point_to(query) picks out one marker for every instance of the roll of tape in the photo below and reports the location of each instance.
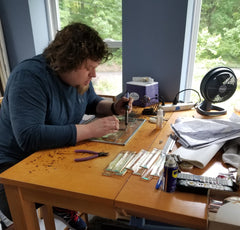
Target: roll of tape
(185, 166)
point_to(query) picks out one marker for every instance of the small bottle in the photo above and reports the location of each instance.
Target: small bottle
(159, 122)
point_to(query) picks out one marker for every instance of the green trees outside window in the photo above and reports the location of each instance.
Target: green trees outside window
(219, 32)
(218, 41)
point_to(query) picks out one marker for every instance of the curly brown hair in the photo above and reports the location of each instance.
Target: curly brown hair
(73, 45)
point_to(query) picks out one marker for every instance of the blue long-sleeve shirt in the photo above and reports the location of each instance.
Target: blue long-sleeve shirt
(39, 111)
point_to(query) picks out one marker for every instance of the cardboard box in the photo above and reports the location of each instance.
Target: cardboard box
(143, 93)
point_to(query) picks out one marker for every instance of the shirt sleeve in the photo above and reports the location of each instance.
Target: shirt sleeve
(27, 99)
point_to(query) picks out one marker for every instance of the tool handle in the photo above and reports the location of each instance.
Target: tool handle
(126, 109)
(85, 158)
(127, 96)
(84, 151)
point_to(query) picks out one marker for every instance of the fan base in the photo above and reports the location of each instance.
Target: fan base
(211, 110)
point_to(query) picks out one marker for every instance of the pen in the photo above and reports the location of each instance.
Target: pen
(159, 182)
(126, 109)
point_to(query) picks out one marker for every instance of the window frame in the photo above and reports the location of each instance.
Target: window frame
(190, 45)
(53, 19)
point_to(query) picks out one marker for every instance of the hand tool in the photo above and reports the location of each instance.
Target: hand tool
(95, 154)
(126, 109)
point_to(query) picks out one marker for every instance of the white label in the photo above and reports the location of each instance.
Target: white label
(134, 95)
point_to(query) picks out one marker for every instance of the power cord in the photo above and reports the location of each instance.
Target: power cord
(175, 100)
(154, 108)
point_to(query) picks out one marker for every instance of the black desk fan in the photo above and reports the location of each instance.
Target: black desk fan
(218, 85)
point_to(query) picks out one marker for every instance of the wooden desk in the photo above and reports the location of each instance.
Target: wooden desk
(52, 177)
(140, 198)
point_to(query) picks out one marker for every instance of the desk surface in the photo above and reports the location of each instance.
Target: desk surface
(52, 177)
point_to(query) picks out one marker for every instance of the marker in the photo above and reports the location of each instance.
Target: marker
(126, 109)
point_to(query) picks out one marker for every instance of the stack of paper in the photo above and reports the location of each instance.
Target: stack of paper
(198, 133)
(201, 139)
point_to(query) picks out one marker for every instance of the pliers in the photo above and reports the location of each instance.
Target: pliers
(95, 154)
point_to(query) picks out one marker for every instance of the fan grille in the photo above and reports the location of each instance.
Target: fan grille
(219, 88)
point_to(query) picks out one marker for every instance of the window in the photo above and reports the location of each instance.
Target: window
(105, 16)
(212, 39)
(218, 42)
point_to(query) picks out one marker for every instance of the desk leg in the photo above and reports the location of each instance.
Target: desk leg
(48, 217)
(23, 212)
